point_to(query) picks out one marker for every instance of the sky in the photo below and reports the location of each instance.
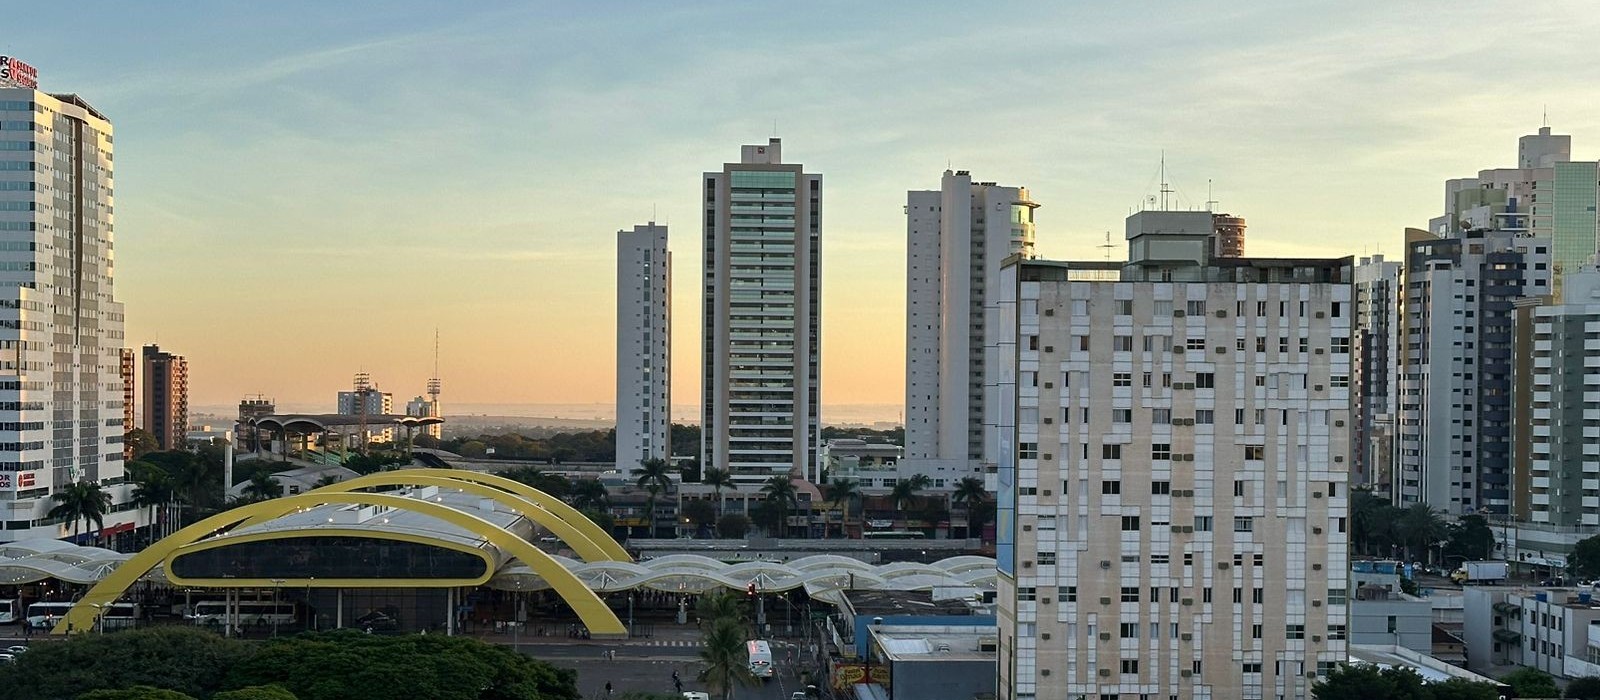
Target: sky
(305, 190)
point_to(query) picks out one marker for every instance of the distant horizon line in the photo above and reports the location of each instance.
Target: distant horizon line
(833, 414)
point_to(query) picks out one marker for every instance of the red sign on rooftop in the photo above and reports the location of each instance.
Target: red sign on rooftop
(14, 72)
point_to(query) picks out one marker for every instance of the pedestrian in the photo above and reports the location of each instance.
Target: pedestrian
(608, 689)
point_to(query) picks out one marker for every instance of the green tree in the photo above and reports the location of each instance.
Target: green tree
(553, 484)
(140, 442)
(1370, 519)
(722, 652)
(1587, 688)
(153, 489)
(349, 665)
(733, 526)
(1584, 561)
(778, 495)
(82, 503)
(1528, 682)
(326, 480)
(256, 692)
(472, 448)
(905, 491)
(1463, 689)
(138, 692)
(262, 487)
(1469, 539)
(700, 512)
(1420, 526)
(969, 493)
(1367, 682)
(841, 492)
(718, 479)
(601, 518)
(588, 493)
(182, 659)
(719, 605)
(655, 477)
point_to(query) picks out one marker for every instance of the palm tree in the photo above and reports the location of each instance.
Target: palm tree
(1420, 525)
(152, 489)
(722, 652)
(327, 480)
(588, 494)
(780, 496)
(969, 493)
(654, 477)
(905, 492)
(718, 479)
(718, 606)
(262, 486)
(82, 503)
(840, 493)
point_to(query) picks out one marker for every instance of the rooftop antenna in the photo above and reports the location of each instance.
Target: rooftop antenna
(1107, 246)
(1547, 115)
(433, 383)
(1211, 201)
(363, 387)
(1165, 188)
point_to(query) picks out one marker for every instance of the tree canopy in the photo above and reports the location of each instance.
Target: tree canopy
(1529, 682)
(1584, 562)
(1367, 682)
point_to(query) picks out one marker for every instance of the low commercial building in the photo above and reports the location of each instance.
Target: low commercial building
(872, 465)
(936, 663)
(1379, 616)
(1543, 628)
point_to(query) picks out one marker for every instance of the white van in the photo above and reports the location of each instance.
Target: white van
(760, 658)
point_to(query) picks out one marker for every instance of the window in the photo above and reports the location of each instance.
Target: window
(1261, 308)
(1121, 415)
(1283, 343)
(1393, 624)
(1205, 380)
(1339, 381)
(1243, 525)
(1110, 488)
(1048, 559)
(1204, 417)
(1195, 307)
(1161, 451)
(1160, 488)
(1261, 344)
(1238, 416)
(1130, 523)
(1162, 308)
(1030, 378)
(1341, 345)
(1305, 345)
(1202, 523)
(1067, 594)
(1205, 597)
(1160, 416)
(1122, 343)
(1299, 632)
(1130, 665)
(1195, 344)
(1130, 594)
(1251, 667)
(1255, 631)
(1027, 450)
(1146, 382)
(1238, 488)
(1128, 630)
(1122, 379)
(1256, 595)
(1261, 416)
(1033, 342)
(1025, 594)
(1124, 307)
(1111, 452)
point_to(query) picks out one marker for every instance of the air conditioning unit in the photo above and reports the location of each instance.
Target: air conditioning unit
(1316, 530)
(1047, 492)
(1049, 312)
(1047, 419)
(1316, 603)
(1052, 348)
(1338, 424)
(1046, 601)
(1320, 314)
(1188, 601)
(1179, 313)
(1220, 565)
(1048, 456)
(1105, 636)
(1106, 672)
(1186, 636)
(1027, 565)
(1185, 673)
(1188, 528)
(1105, 601)
(1316, 567)
(1316, 494)
(1105, 564)
(1049, 385)
(1316, 387)
(1027, 528)
(1338, 458)
(1045, 636)
(1044, 672)
(1222, 314)
(1316, 638)
(1222, 350)
(1318, 351)
(1177, 528)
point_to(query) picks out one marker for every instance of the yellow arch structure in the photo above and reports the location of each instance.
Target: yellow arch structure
(577, 519)
(579, 538)
(600, 620)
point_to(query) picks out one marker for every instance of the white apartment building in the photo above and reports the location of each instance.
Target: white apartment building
(762, 317)
(1454, 448)
(1172, 505)
(377, 405)
(1375, 371)
(956, 240)
(644, 346)
(61, 392)
(1557, 412)
(426, 407)
(1549, 629)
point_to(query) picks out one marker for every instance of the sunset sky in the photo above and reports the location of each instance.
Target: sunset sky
(305, 190)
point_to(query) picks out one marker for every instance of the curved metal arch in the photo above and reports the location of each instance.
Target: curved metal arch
(570, 533)
(491, 563)
(600, 620)
(550, 503)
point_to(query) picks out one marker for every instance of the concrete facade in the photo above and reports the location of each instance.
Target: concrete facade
(1543, 628)
(1375, 367)
(762, 317)
(644, 346)
(956, 240)
(1558, 368)
(1172, 493)
(166, 397)
(61, 396)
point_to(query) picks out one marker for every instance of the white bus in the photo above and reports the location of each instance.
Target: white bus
(10, 611)
(760, 658)
(246, 612)
(116, 616)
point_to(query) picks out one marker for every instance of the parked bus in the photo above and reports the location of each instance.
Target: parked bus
(116, 615)
(892, 535)
(10, 611)
(246, 612)
(760, 658)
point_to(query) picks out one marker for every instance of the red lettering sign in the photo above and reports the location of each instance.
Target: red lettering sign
(18, 73)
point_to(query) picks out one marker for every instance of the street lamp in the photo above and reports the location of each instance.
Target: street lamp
(99, 617)
(276, 584)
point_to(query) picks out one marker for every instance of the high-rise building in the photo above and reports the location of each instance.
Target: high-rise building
(128, 368)
(424, 407)
(956, 240)
(644, 346)
(1556, 380)
(166, 397)
(250, 409)
(1230, 235)
(61, 395)
(1172, 504)
(1375, 371)
(762, 317)
(365, 399)
(1454, 449)
(1548, 195)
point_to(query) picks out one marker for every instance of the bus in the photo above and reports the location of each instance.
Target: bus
(892, 535)
(760, 658)
(116, 616)
(10, 611)
(246, 612)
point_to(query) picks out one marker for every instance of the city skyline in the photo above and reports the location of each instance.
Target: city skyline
(347, 226)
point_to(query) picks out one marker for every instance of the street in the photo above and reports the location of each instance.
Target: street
(647, 666)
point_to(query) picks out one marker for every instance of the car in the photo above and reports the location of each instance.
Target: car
(7, 659)
(799, 695)
(695, 695)
(18, 649)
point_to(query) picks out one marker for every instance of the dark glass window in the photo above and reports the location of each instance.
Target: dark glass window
(328, 557)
